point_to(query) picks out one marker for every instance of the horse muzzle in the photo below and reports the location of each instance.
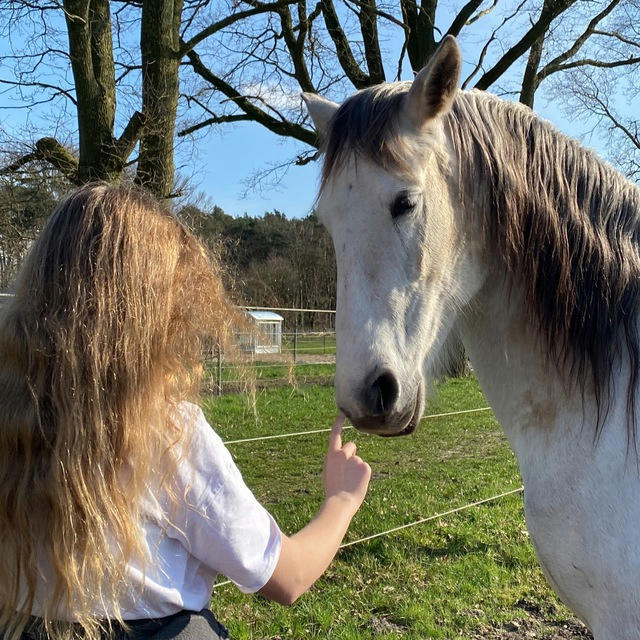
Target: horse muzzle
(382, 415)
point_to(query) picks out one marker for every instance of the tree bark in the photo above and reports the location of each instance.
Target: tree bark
(91, 52)
(368, 18)
(530, 78)
(420, 20)
(551, 9)
(280, 127)
(347, 61)
(160, 48)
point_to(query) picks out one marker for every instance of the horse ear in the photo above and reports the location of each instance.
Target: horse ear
(320, 109)
(435, 87)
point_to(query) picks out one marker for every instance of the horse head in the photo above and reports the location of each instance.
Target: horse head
(388, 199)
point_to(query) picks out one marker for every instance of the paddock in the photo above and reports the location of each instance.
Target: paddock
(456, 574)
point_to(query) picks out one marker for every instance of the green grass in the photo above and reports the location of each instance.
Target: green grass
(279, 367)
(310, 344)
(464, 576)
(264, 370)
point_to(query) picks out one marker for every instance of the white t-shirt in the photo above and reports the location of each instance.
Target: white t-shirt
(224, 530)
(220, 528)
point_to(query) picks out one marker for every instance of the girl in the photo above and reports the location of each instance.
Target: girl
(118, 503)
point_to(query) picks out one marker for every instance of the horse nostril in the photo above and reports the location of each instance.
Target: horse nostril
(383, 393)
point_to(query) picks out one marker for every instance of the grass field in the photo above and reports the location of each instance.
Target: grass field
(313, 360)
(468, 575)
(265, 370)
(321, 343)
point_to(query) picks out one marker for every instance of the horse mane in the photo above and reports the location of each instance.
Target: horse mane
(564, 223)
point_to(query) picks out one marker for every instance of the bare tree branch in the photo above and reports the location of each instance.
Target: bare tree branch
(555, 64)
(346, 58)
(295, 45)
(481, 58)
(41, 85)
(592, 62)
(382, 14)
(20, 162)
(482, 13)
(51, 151)
(488, 43)
(547, 15)
(463, 16)
(420, 35)
(617, 36)
(130, 136)
(369, 29)
(530, 79)
(229, 20)
(241, 117)
(285, 128)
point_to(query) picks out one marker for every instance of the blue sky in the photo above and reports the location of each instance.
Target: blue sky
(225, 159)
(218, 164)
(222, 161)
(230, 156)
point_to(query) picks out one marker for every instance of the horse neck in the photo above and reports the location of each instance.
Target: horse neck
(542, 414)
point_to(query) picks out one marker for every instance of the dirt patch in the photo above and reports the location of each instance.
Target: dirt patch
(316, 358)
(525, 629)
(535, 625)
(382, 625)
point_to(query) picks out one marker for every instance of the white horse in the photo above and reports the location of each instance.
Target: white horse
(458, 215)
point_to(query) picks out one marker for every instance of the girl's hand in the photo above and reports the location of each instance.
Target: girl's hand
(305, 555)
(345, 474)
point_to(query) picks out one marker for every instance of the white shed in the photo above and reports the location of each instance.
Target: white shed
(269, 336)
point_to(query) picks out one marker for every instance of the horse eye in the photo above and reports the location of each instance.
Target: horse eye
(404, 203)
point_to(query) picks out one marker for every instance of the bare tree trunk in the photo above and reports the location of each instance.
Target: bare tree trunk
(160, 44)
(101, 155)
(530, 78)
(420, 21)
(91, 51)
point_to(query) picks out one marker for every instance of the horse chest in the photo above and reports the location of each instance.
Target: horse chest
(585, 530)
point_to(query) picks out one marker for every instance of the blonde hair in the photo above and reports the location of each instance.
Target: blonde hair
(103, 336)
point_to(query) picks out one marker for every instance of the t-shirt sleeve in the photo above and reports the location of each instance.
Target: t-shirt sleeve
(227, 528)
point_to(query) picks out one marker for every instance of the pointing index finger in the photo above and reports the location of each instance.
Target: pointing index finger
(335, 438)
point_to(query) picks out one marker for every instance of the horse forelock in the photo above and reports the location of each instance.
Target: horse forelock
(370, 125)
(566, 227)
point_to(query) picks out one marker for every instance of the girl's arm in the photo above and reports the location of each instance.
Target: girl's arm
(305, 555)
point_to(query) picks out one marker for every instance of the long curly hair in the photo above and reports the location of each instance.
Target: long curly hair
(105, 333)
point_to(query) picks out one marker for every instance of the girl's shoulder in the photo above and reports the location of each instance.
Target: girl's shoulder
(203, 458)
(197, 432)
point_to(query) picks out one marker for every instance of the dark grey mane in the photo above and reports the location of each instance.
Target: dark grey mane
(564, 224)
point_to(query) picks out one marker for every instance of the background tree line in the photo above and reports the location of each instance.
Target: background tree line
(272, 261)
(25, 204)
